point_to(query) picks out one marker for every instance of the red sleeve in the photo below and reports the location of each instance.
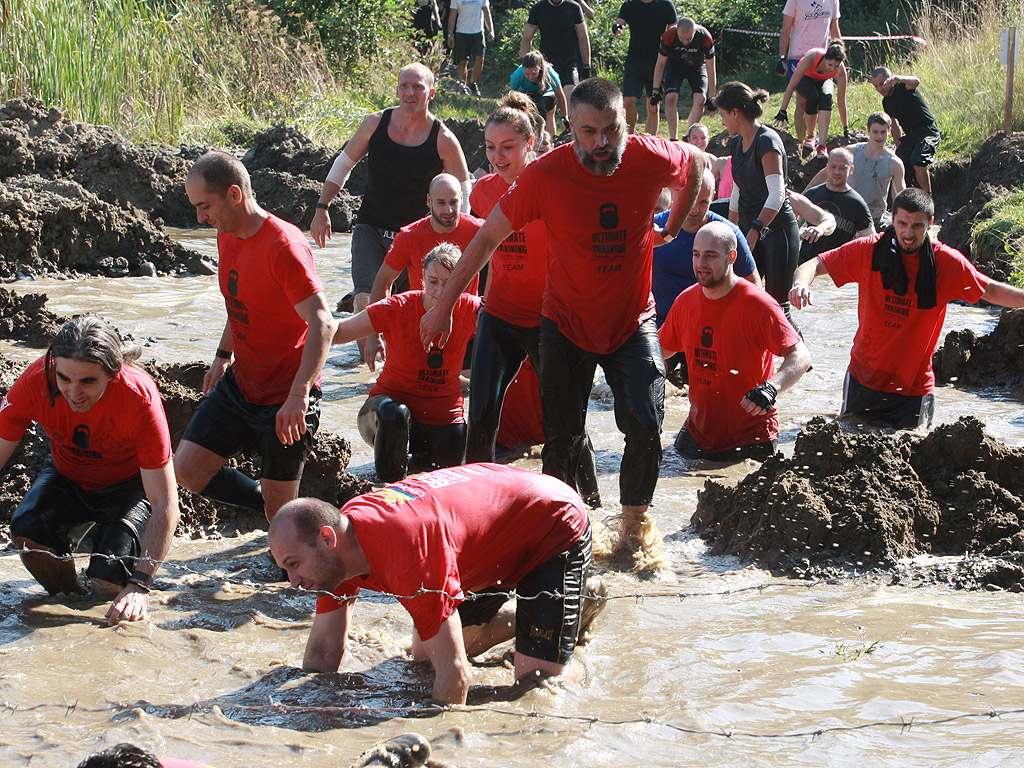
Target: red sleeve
(671, 333)
(382, 313)
(295, 271)
(522, 204)
(847, 263)
(327, 604)
(152, 435)
(667, 39)
(681, 155)
(398, 256)
(16, 409)
(776, 332)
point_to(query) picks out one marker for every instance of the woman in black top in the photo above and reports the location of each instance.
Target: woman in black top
(758, 203)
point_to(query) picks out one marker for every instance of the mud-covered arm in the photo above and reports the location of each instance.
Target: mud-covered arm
(325, 647)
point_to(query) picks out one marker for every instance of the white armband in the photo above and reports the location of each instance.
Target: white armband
(734, 198)
(467, 187)
(342, 167)
(776, 191)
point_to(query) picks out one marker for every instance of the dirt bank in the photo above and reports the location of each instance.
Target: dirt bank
(324, 476)
(967, 359)
(23, 318)
(869, 501)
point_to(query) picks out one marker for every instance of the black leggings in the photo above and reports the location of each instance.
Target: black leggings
(388, 426)
(498, 351)
(777, 255)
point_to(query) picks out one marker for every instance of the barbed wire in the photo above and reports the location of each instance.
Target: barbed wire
(900, 722)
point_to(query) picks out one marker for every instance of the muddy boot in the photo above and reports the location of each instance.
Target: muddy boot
(406, 751)
(593, 604)
(641, 541)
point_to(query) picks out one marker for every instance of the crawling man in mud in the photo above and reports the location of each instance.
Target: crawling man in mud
(109, 467)
(451, 545)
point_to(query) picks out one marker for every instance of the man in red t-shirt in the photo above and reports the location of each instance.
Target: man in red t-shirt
(730, 329)
(432, 541)
(904, 283)
(597, 198)
(278, 333)
(444, 224)
(109, 466)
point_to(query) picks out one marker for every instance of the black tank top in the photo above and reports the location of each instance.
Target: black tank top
(399, 176)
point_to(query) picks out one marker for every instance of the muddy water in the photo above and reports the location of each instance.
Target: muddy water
(716, 665)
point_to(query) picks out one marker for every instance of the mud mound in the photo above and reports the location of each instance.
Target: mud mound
(870, 500)
(56, 225)
(995, 360)
(23, 318)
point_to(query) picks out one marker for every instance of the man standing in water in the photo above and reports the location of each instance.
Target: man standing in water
(405, 147)
(109, 466)
(481, 528)
(263, 388)
(596, 197)
(904, 283)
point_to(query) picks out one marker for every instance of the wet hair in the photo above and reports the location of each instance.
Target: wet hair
(914, 200)
(445, 254)
(722, 234)
(219, 170)
(121, 756)
(880, 72)
(596, 92)
(879, 118)
(836, 51)
(740, 96)
(695, 126)
(309, 515)
(87, 339)
(518, 111)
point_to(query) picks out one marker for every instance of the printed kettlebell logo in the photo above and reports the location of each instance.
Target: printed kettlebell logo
(609, 216)
(707, 336)
(80, 437)
(233, 283)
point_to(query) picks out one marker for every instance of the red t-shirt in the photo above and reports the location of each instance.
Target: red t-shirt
(124, 431)
(895, 341)
(521, 422)
(515, 283)
(600, 235)
(414, 241)
(433, 396)
(262, 278)
(729, 343)
(457, 530)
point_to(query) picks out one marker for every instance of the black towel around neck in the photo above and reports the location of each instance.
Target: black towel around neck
(887, 259)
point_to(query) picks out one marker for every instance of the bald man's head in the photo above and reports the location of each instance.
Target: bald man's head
(444, 196)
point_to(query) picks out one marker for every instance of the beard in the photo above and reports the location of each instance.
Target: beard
(602, 167)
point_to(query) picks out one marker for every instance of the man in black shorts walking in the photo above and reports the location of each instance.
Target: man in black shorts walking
(564, 40)
(647, 20)
(466, 22)
(686, 54)
(914, 129)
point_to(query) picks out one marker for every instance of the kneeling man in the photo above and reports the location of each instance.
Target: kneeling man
(730, 330)
(433, 540)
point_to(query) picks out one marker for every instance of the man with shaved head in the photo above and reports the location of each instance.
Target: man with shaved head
(851, 212)
(444, 224)
(405, 147)
(730, 330)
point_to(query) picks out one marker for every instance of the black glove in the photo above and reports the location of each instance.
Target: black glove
(763, 395)
(780, 68)
(617, 28)
(585, 72)
(710, 106)
(655, 97)
(849, 134)
(782, 117)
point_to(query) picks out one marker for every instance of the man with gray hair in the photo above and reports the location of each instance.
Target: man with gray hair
(596, 197)
(730, 330)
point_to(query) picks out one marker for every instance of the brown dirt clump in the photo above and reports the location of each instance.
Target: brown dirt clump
(23, 318)
(967, 359)
(871, 500)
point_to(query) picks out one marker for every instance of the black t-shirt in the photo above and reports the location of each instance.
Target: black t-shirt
(691, 56)
(851, 212)
(647, 22)
(557, 26)
(748, 173)
(907, 107)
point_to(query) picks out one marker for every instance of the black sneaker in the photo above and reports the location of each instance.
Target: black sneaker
(475, 89)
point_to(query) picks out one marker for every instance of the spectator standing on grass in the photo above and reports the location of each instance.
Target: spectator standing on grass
(647, 20)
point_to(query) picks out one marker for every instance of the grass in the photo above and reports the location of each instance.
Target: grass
(845, 652)
(1004, 229)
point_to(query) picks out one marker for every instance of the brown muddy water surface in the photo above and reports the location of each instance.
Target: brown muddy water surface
(714, 664)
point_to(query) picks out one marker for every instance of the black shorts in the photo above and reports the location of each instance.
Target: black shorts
(817, 95)
(468, 46)
(543, 103)
(55, 505)
(676, 73)
(915, 149)
(637, 75)
(226, 423)
(898, 411)
(689, 449)
(567, 68)
(548, 604)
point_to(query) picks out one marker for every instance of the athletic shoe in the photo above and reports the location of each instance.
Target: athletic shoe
(475, 89)
(809, 142)
(822, 150)
(592, 606)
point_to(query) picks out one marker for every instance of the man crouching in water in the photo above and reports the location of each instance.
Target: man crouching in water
(433, 541)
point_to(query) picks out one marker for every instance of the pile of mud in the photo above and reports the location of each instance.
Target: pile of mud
(870, 501)
(324, 476)
(995, 360)
(24, 318)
